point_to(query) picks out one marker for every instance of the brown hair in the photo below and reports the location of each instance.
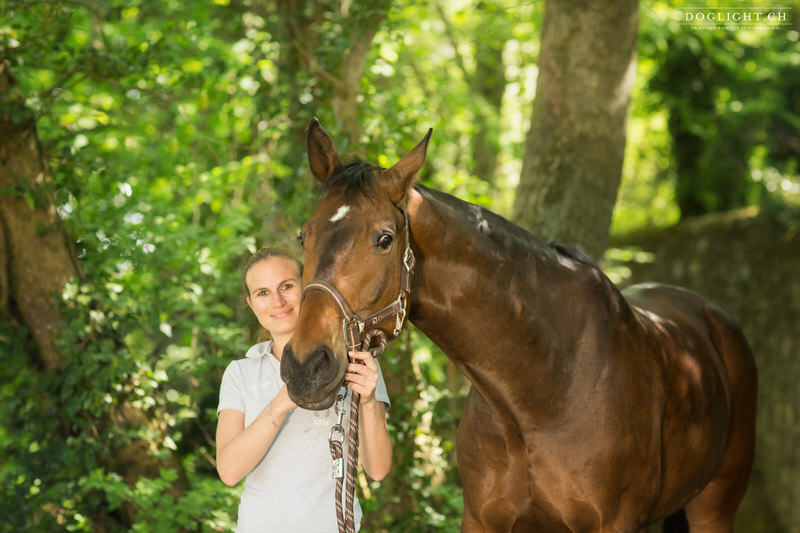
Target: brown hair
(265, 253)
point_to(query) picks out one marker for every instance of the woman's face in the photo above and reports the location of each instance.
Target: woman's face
(274, 286)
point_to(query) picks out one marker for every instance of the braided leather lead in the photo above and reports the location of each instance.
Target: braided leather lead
(352, 464)
(352, 442)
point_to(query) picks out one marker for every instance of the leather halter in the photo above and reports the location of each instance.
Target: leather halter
(353, 326)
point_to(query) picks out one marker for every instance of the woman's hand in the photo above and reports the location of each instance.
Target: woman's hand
(362, 378)
(239, 449)
(375, 444)
(282, 404)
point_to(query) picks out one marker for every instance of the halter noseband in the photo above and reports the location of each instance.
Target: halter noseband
(352, 326)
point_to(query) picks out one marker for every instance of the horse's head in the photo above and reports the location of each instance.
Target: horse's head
(354, 240)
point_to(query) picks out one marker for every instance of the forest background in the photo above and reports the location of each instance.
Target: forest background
(148, 147)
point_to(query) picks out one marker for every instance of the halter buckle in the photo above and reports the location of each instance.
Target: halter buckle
(347, 325)
(400, 318)
(408, 260)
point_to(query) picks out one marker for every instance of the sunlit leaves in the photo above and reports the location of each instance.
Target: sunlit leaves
(174, 133)
(712, 83)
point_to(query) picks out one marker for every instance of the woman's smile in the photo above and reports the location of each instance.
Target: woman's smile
(282, 314)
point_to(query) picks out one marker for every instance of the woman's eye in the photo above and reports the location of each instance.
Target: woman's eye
(288, 286)
(385, 241)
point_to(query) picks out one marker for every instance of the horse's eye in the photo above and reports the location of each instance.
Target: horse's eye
(385, 241)
(301, 239)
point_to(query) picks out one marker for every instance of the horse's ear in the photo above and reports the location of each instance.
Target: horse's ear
(403, 172)
(322, 156)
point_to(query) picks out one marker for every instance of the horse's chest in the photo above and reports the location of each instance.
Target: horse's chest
(550, 481)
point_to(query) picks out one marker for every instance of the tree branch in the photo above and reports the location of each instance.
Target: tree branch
(448, 31)
(321, 73)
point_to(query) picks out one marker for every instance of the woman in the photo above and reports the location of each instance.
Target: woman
(262, 434)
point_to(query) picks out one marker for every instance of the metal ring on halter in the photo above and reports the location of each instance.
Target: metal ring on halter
(408, 259)
(346, 325)
(400, 318)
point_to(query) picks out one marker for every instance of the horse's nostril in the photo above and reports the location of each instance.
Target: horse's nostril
(289, 365)
(322, 365)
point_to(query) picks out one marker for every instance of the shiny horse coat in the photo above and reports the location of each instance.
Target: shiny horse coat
(590, 409)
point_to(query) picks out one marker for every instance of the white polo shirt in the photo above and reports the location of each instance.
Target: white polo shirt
(291, 490)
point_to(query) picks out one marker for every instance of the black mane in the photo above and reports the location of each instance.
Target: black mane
(573, 251)
(354, 177)
(505, 232)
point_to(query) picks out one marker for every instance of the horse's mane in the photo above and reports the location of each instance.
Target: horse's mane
(573, 251)
(354, 177)
(505, 231)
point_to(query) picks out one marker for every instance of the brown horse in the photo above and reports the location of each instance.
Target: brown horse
(590, 409)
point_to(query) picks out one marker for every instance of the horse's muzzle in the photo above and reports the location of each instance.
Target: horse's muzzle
(314, 382)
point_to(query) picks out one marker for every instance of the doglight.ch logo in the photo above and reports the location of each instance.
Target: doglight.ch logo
(712, 18)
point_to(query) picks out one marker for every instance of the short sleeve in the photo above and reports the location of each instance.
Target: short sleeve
(381, 394)
(230, 391)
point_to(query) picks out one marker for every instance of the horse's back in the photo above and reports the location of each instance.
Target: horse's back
(690, 310)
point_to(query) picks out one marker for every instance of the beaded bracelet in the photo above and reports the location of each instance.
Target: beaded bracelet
(269, 412)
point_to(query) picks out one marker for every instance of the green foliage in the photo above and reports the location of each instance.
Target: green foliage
(728, 98)
(174, 133)
(423, 492)
(421, 75)
(145, 119)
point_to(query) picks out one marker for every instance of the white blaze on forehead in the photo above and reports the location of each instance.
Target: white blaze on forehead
(340, 213)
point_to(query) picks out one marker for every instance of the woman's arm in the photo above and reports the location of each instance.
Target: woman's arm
(375, 448)
(238, 449)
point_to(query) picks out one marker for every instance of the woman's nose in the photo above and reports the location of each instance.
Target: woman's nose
(277, 298)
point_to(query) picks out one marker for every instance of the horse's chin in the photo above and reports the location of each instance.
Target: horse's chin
(315, 405)
(317, 402)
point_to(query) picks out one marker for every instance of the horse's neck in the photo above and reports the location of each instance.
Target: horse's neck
(477, 296)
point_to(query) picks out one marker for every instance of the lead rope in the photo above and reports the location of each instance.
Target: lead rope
(352, 327)
(346, 519)
(336, 454)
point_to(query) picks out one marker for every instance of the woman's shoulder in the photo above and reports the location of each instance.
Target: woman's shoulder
(253, 357)
(257, 351)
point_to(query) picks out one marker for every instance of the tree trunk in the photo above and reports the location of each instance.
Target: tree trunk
(575, 146)
(347, 90)
(489, 81)
(36, 259)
